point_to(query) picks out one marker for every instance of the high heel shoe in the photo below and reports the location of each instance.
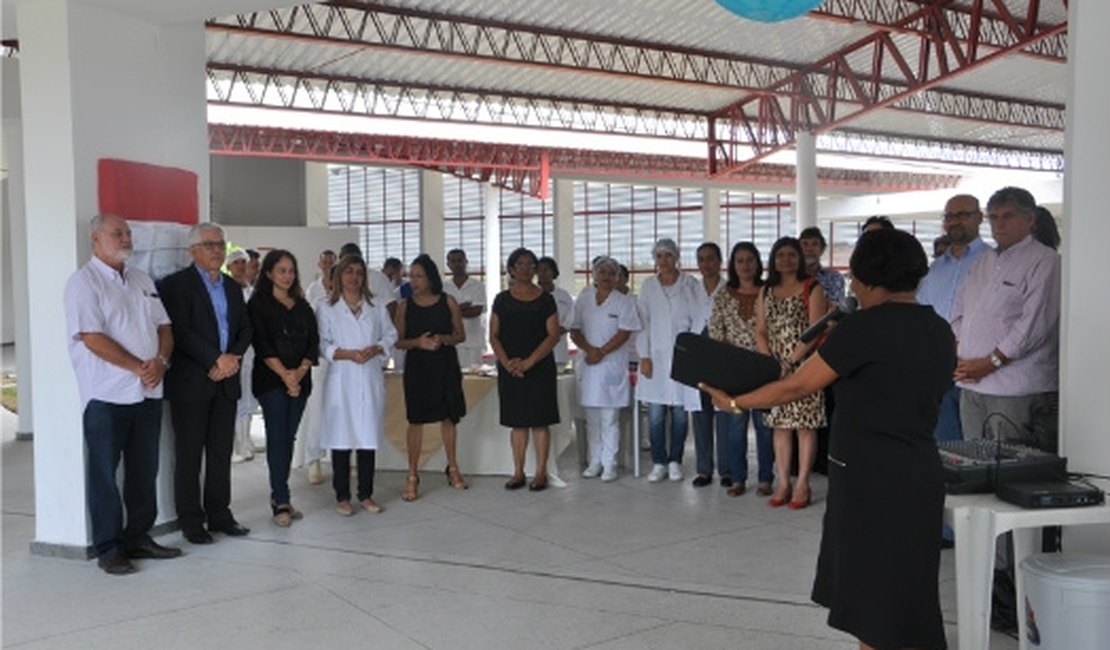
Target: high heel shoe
(411, 489)
(778, 502)
(798, 504)
(454, 478)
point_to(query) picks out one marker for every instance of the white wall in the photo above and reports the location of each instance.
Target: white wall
(1084, 351)
(259, 191)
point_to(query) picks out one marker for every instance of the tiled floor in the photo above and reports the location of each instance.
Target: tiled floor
(621, 565)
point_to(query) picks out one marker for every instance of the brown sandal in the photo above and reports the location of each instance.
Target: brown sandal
(455, 478)
(285, 514)
(411, 488)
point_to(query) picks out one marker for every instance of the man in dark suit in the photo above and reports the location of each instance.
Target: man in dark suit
(211, 332)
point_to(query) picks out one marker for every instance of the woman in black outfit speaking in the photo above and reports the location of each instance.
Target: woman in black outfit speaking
(889, 365)
(286, 346)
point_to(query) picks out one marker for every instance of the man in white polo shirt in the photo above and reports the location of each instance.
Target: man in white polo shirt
(471, 296)
(119, 343)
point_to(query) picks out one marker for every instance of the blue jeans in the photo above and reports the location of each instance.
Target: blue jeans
(948, 420)
(133, 432)
(282, 415)
(736, 429)
(657, 416)
(703, 440)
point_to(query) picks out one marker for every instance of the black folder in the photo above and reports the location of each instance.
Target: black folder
(733, 369)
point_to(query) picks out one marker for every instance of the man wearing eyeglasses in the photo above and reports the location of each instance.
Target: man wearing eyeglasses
(211, 332)
(961, 220)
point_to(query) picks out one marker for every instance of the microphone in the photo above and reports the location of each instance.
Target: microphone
(845, 307)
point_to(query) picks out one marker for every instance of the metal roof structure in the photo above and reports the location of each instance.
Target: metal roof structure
(937, 84)
(969, 82)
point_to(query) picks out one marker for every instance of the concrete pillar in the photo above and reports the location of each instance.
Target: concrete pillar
(1084, 354)
(494, 257)
(805, 187)
(316, 194)
(711, 216)
(97, 83)
(15, 245)
(563, 198)
(431, 218)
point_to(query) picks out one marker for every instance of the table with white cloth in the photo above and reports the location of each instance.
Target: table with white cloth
(977, 520)
(482, 443)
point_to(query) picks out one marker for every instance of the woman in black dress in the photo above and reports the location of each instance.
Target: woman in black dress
(891, 363)
(523, 329)
(429, 325)
(286, 346)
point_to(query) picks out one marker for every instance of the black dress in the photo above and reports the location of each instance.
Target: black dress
(880, 548)
(527, 401)
(433, 380)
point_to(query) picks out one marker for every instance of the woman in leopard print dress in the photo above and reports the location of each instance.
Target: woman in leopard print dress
(788, 305)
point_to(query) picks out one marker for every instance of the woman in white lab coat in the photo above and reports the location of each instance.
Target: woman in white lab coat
(668, 304)
(357, 337)
(603, 321)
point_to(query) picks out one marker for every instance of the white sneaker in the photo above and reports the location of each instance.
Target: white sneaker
(610, 474)
(593, 471)
(658, 473)
(674, 471)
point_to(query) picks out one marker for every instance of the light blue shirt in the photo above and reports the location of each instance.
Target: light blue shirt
(945, 276)
(219, 303)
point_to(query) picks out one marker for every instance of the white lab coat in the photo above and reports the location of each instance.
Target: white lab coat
(604, 384)
(353, 413)
(665, 312)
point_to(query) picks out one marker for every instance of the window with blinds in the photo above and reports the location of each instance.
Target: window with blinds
(625, 221)
(749, 217)
(526, 222)
(383, 203)
(464, 210)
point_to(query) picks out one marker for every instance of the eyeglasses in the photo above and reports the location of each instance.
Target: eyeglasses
(212, 245)
(962, 214)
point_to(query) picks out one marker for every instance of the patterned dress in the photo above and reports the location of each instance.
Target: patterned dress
(786, 320)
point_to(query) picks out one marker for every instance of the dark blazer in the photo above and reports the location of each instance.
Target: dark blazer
(196, 339)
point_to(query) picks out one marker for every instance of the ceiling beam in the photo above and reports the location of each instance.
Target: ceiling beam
(527, 169)
(765, 122)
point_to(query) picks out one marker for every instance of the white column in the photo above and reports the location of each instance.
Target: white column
(431, 218)
(16, 245)
(315, 194)
(805, 185)
(97, 83)
(494, 261)
(711, 216)
(1084, 354)
(563, 199)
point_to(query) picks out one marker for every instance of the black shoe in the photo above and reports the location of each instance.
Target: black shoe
(197, 536)
(515, 483)
(231, 529)
(701, 480)
(726, 481)
(152, 550)
(116, 564)
(537, 486)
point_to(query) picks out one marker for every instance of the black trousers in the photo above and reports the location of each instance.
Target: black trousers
(341, 473)
(203, 431)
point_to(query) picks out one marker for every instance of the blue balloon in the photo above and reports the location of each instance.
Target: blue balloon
(769, 11)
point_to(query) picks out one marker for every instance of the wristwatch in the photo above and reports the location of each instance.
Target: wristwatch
(996, 360)
(736, 410)
(165, 362)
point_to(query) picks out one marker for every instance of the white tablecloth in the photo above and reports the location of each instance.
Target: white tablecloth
(482, 443)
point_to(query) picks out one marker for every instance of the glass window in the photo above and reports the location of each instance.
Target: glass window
(383, 203)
